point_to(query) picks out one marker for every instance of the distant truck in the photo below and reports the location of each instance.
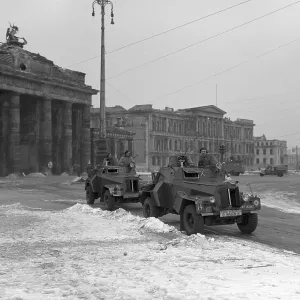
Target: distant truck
(278, 170)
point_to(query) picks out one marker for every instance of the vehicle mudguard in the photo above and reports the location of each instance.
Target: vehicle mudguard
(91, 183)
(181, 198)
(163, 195)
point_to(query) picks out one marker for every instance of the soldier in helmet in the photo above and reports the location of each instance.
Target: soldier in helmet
(206, 160)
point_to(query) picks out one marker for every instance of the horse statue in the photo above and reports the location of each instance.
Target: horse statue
(12, 39)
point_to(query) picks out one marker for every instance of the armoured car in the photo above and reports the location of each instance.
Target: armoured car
(201, 196)
(112, 184)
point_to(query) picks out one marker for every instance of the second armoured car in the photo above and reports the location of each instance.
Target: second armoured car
(112, 184)
(201, 196)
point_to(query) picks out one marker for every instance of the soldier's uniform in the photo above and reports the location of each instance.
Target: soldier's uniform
(111, 161)
(125, 161)
(206, 160)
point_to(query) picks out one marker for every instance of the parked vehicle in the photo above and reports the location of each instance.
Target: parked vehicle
(112, 184)
(201, 196)
(278, 170)
(234, 168)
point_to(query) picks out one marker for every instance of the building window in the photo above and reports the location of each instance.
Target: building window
(271, 151)
(264, 152)
(265, 161)
(257, 160)
(257, 151)
(271, 161)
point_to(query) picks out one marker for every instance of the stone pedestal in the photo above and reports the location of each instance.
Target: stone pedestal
(67, 136)
(45, 134)
(86, 153)
(14, 134)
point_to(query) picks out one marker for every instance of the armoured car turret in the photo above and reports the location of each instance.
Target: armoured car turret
(201, 196)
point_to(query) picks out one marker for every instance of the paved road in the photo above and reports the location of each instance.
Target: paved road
(276, 228)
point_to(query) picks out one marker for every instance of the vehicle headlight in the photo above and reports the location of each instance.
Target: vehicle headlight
(246, 197)
(212, 199)
(117, 187)
(256, 202)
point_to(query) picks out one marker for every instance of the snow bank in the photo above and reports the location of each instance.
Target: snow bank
(85, 253)
(64, 174)
(12, 176)
(77, 180)
(288, 202)
(149, 224)
(33, 175)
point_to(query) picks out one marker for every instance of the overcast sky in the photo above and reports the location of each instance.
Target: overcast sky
(264, 89)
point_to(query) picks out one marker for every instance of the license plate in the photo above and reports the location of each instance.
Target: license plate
(230, 213)
(248, 206)
(131, 195)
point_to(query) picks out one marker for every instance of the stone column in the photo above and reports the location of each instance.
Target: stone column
(14, 134)
(130, 146)
(115, 154)
(86, 136)
(45, 134)
(126, 146)
(4, 114)
(222, 128)
(38, 134)
(67, 136)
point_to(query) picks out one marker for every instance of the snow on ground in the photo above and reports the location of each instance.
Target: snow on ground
(36, 175)
(85, 253)
(288, 202)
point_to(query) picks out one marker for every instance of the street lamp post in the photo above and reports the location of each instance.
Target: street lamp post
(103, 3)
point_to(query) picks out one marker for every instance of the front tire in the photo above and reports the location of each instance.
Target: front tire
(150, 209)
(109, 200)
(279, 174)
(249, 223)
(90, 195)
(191, 221)
(261, 175)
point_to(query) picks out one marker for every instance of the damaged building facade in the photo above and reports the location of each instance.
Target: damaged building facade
(44, 114)
(161, 133)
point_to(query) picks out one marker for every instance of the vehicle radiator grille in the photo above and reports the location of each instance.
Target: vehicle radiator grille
(224, 197)
(132, 186)
(235, 197)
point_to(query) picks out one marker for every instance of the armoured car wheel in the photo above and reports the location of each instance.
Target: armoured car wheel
(279, 174)
(90, 195)
(109, 200)
(261, 174)
(249, 223)
(192, 222)
(150, 209)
